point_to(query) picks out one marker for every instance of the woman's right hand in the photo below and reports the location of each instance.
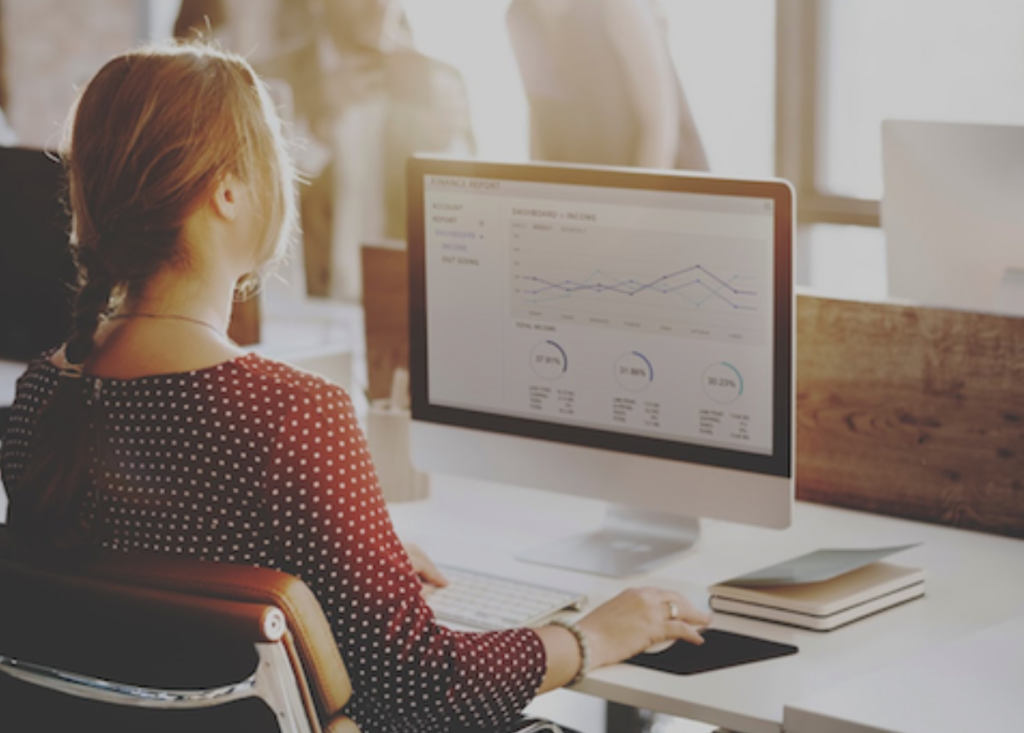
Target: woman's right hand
(637, 619)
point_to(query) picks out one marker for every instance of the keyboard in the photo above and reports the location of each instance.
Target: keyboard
(491, 602)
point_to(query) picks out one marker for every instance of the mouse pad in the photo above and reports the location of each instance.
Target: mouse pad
(720, 649)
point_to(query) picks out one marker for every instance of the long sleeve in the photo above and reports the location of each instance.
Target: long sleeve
(332, 528)
(33, 391)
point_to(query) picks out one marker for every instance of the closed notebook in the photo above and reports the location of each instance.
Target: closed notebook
(826, 604)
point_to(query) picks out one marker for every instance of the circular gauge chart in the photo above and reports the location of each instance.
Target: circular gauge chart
(549, 360)
(634, 371)
(722, 382)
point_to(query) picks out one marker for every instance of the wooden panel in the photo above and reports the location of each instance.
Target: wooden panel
(912, 412)
(316, 210)
(386, 314)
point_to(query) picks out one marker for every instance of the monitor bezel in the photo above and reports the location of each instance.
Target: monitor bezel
(778, 463)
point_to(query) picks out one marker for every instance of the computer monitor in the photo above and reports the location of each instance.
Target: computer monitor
(953, 213)
(37, 273)
(620, 334)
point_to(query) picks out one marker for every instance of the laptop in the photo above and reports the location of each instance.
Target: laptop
(953, 214)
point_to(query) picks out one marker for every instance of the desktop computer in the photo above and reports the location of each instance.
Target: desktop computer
(619, 334)
(953, 214)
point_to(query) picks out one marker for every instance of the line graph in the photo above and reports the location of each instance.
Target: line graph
(696, 285)
(690, 285)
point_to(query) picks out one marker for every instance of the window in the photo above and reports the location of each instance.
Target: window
(795, 88)
(846, 66)
(914, 59)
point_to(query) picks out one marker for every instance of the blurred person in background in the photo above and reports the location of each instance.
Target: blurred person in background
(364, 99)
(384, 101)
(601, 84)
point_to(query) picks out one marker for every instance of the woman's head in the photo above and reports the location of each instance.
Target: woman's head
(156, 134)
(151, 137)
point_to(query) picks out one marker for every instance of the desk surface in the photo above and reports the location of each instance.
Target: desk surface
(485, 525)
(972, 683)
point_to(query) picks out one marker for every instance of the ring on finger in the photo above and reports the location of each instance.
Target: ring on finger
(673, 611)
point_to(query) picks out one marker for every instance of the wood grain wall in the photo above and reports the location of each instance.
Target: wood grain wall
(912, 412)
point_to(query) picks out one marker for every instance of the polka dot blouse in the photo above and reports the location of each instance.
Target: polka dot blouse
(252, 461)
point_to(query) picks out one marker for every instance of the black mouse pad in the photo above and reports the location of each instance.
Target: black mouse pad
(720, 649)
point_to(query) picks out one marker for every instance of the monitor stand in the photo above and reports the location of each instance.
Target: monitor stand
(631, 542)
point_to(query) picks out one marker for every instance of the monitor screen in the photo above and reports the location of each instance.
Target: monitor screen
(622, 334)
(626, 311)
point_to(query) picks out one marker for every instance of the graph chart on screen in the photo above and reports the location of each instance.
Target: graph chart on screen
(697, 285)
(700, 286)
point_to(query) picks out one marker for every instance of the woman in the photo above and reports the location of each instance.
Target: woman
(601, 84)
(150, 431)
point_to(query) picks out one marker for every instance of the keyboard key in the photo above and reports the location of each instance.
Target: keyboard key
(490, 602)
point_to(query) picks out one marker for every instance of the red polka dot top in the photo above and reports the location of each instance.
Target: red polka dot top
(253, 461)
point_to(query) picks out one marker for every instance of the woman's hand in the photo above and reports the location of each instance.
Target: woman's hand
(637, 619)
(428, 573)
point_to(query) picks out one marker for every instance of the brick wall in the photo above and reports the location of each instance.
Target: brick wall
(53, 46)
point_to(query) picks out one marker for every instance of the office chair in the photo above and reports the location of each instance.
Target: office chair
(128, 642)
(146, 642)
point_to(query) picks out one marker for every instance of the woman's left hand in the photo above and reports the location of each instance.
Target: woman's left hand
(428, 573)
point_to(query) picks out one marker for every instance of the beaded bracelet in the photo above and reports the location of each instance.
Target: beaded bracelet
(581, 641)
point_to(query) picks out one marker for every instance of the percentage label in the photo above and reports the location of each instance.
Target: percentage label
(549, 360)
(723, 382)
(633, 371)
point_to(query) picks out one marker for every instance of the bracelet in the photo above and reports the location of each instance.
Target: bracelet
(581, 641)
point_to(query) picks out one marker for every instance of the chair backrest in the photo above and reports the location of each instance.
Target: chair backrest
(385, 280)
(36, 267)
(131, 641)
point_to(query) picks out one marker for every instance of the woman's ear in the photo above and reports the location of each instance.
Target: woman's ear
(226, 197)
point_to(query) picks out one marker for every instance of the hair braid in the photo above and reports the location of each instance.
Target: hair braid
(92, 301)
(45, 508)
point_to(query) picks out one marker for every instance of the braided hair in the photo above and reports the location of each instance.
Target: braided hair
(152, 135)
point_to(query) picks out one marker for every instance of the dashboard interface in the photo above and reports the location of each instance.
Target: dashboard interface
(603, 313)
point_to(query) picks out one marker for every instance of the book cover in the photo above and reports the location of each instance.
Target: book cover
(819, 621)
(826, 597)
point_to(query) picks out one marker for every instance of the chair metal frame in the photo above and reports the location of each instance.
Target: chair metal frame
(272, 681)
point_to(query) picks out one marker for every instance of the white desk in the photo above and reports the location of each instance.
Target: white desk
(975, 683)
(483, 526)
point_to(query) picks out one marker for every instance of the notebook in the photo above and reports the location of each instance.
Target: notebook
(820, 591)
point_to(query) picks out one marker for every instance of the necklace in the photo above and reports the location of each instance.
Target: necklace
(169, 316)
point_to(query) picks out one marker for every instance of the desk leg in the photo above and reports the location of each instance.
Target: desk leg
(621, 718)
(627, 719)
